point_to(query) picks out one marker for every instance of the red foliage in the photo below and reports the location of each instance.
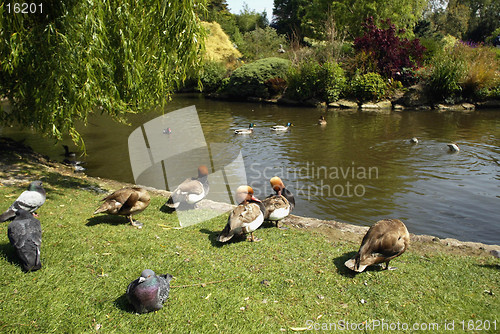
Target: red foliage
(395, 57)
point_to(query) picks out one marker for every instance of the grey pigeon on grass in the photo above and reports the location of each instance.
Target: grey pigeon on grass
(30, 200)
(149, 291)
(25, 234)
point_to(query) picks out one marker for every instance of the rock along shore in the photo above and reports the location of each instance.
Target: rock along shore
(14, 156)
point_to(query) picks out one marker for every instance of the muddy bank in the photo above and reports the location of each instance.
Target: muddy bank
(17, 159)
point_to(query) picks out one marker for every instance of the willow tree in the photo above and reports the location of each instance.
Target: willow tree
(66, 59)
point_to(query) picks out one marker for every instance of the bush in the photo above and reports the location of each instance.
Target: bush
(250, 80)
(368, 87)
(392, 54)
(211, 76)
(311, 80)
(462, 71)
(482, 69)
(261, 43)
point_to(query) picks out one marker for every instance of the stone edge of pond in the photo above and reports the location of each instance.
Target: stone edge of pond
(12, 152)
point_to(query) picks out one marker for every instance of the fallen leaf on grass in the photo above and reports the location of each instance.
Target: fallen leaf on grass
(299, 329)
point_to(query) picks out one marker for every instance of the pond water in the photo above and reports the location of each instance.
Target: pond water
(359, 168)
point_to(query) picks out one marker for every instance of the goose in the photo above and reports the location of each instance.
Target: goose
(280, 204)
(384, 241)
(126, 202)
(190, 191)
(245, 131)
(281, 127)
(322, 120)
(414, 140)
(245, 218)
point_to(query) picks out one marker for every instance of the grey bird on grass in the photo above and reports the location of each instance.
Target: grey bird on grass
(29, 200)
(25, 235)
(149, 291)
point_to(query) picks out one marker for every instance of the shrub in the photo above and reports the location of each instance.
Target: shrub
(275, 86)
(391, 53)
(312, 80)
(462, 71)
(211, 76)
(445, 75)
(261, 43)
(218, 47)
(482, 69)
(250, 80)
(368, 87)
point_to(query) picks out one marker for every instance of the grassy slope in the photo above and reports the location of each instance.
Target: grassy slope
(89, 261)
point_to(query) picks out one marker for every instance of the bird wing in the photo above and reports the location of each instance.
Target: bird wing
(29, 201)
(191, 186)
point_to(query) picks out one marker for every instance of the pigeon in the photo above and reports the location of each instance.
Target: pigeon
(25, 234)
(30, 200)
(384, 241)
(149, 291)
(126, 202)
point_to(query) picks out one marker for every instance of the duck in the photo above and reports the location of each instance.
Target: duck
(67, 152)
(385, 240)
(30, 200)
(245, 131)
(281, 127)
(191, 190)
(414, 140)
(245, 218)
(322, 120)
(279, 205)
(126, 202)
(453, 147)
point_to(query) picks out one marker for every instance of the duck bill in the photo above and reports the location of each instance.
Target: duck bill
(255, 199)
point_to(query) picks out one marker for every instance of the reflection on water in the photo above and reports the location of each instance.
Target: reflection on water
(359, 168)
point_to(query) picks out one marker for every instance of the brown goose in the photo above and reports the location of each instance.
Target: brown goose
(190, 191)
(384, 241)
(322, 120)
(245, 218)
(279, 205)
(126, 202)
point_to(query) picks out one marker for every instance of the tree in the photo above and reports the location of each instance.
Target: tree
(350, 14)
(74, 57)
(249, 19)
(288, 17)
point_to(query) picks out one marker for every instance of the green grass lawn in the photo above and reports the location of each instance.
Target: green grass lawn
(291, 279)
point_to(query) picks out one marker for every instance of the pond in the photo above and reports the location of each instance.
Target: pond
(359, 168)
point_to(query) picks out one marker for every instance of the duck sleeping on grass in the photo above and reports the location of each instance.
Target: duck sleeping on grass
(384, 241)
(126, 202)
(245, 218)
(247, 131)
